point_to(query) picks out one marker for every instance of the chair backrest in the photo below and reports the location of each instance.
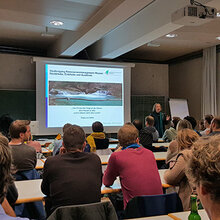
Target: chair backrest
(101, 143)
(144, 206)
(93, 211)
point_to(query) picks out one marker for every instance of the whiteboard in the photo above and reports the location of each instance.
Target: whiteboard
(179, 108)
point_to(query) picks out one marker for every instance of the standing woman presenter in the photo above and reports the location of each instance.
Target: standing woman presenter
(160, 119)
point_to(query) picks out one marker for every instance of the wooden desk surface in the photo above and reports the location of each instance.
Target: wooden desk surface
(165, 144)
(30, 190)
(159, 217)
(184, 215)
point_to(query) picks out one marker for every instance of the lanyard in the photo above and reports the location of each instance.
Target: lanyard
(131, 146)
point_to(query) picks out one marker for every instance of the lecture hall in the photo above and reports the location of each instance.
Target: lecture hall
(110, 109)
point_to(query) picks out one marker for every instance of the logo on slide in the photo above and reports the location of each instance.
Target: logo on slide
(107, 72)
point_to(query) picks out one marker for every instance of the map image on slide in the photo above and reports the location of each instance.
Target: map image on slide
(85, 93)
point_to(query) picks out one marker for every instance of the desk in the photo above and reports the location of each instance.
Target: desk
(112, 146)
(45, 142)
(160, 155)
(40, 164)
(30, 190)
(184, 215)
(159, 217)
(113, 140)
(166, 144)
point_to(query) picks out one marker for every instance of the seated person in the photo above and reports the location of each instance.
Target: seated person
(57, 144)
(207, 125)
(204, 173)
(215, 126)
(173, 146)
(23, 155)
(135, 166)
(97, 139)
(5, 121)
(193, 122)
(6, 212)
(72, 177)
(176, 174)
(170, 133)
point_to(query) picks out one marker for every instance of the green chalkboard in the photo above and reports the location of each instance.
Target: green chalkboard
(141, 106)
(18, 104)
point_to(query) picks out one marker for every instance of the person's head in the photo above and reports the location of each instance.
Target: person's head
(66, 126)
(215, 124)
(5, 121)
(192, 121)
(185, 138)
(201, 125)
(149, 121)
(203, 170)
(5, 167)
(97, 127)
(20, 129)
(138, 124)
(183, 124)
(127, 135)
(74, 138)
(175, 121)
(157, 107)
(208, 120)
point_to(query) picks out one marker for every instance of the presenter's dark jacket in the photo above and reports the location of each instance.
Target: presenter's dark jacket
(159, 122)
(72, 179)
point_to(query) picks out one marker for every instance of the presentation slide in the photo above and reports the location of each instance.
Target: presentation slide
(83, 94)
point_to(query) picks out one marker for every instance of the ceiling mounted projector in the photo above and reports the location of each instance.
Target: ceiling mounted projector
(193, 15)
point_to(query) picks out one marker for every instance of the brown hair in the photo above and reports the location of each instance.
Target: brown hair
(149, 120)
(185, 138)
(66, 126)
(5, 167)
(216, 121)
(183, 124)
(97, 126)
(204, 165)
(127, 135)
(74, 138)
(209, 118)
(17, 127)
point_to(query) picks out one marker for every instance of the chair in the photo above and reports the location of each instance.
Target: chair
(94, 211)
(144, 206)
(101, 143)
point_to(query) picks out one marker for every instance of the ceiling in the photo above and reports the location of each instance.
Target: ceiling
(103, 29)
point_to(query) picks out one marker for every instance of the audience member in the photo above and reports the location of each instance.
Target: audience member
(97, 139)
(170, 133)
(135, 165)
(72, 177)
(215, 126)
(207, 125)
(57, 144)
(201, 125)
(5, 122)
(23, 155)
(204, 173)
(176, 175)
(160, 119)
(193, 122)
(173, 146)
(5, 180)
(138, 124)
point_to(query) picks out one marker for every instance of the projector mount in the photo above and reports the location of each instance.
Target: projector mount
(206, 12)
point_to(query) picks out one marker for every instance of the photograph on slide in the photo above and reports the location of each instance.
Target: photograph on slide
(85, 93)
